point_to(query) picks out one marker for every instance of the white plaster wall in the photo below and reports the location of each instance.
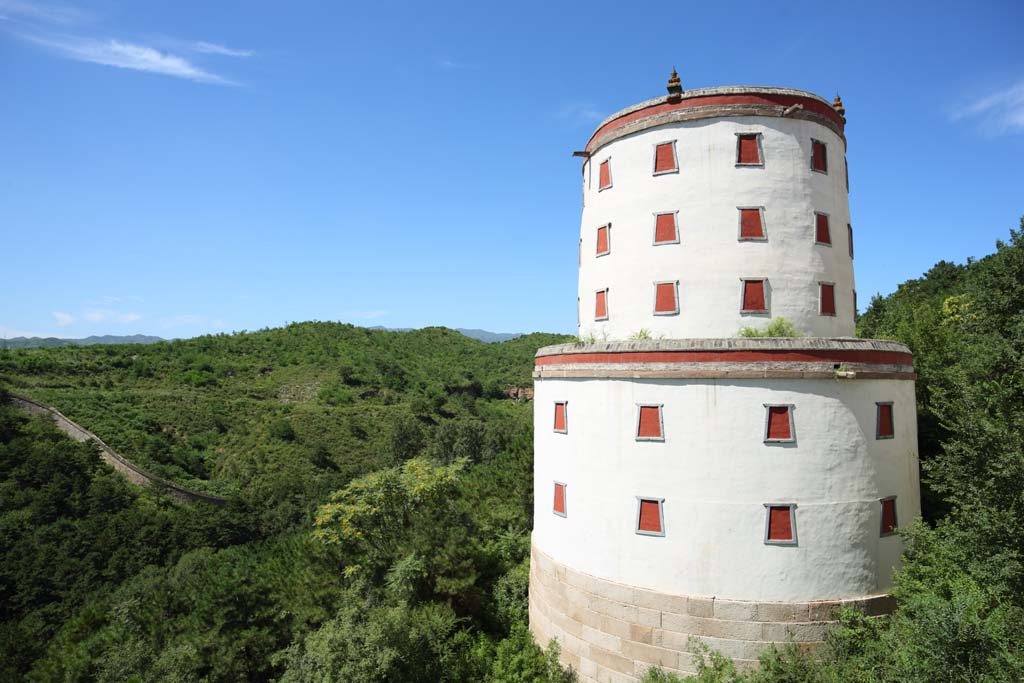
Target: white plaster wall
(709, 260)
(715, 473)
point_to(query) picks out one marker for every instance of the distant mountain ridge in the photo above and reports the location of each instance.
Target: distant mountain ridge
(47, 342)
(472, 333)
(41, 342)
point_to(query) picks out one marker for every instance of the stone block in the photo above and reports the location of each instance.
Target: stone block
(648, 617)
(783, 611)
(735, 610)
(651, 654)
(796, 631)
(641, 634)
(824, 610)
(601, 639)
(606, 659)
(700, 607)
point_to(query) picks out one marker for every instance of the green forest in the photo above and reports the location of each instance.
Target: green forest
(380, 502)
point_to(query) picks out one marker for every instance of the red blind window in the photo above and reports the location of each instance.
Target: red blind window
(753, 296)
(819, 157)
(888, 516)
(560, 417)
(665, 229)
(779, 428)
(750, 224)
(603, 245)
(780, 523)
(821, 231)
(885, 425)
(665, 158)
(665, 298)
(746, 150)
(559, 498)
(604, 175)
(828, 299)
(601, 305)
(650, 517)
(649, 423)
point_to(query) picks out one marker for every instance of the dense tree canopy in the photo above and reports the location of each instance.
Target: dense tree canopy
(381, 498)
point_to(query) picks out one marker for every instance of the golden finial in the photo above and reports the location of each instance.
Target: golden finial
(675, 88)
(837, 104)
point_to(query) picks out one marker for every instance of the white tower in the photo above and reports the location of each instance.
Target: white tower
(689, 482)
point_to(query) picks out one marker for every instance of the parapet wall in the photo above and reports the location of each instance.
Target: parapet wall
(612, 633)
(128, 469)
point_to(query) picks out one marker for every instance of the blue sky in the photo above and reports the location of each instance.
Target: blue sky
(178, 168)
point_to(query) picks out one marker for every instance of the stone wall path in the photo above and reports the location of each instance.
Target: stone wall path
(132, 472)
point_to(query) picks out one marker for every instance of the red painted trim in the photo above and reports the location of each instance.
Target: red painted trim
(770, 99)
(738, 356)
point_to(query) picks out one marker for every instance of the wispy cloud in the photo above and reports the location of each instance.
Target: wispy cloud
(580, 111)
(998, 112)
(215, 49)
(111, 300)
(101, 315)
(452, 64)
(126, 56)
(34, 11)
(63, 319)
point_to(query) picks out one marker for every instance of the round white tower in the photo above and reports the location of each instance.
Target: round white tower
(690, 483)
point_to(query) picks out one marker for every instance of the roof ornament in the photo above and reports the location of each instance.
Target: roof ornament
(837, 104)
(675, 88)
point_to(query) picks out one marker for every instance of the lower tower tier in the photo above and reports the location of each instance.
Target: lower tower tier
(762, 475)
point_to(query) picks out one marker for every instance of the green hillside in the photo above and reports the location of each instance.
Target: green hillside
(380, 488)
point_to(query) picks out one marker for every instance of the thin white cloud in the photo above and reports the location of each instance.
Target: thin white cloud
(12, 10)
(101, 315)
(215, 49)
(580, 111)
(452, 64)
(124, 55)
(63, 319)
(998, 112)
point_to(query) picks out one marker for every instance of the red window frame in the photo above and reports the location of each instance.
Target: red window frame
(754, 292)
(604, 175)
(665, 160)
(889, 519)
(601, 304)
(751, 224)
(666, 228)
(779, 423)
(666, 297)
(819, 156)
(650, 422)
(562, 417)
(604, 234)
(748, 149)
(827, 298)
(780, 524)
(822, 231)
(558, 505)
(885, 421)
(650, 516)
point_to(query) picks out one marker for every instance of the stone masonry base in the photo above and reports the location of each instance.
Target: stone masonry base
(612, 633)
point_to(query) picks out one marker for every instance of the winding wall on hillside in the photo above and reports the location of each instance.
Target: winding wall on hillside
(128, 469)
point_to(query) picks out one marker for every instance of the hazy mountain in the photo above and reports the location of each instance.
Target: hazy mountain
(37, 342)
(480, 335)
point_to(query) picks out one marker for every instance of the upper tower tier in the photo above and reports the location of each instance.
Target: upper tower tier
(716, 209)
